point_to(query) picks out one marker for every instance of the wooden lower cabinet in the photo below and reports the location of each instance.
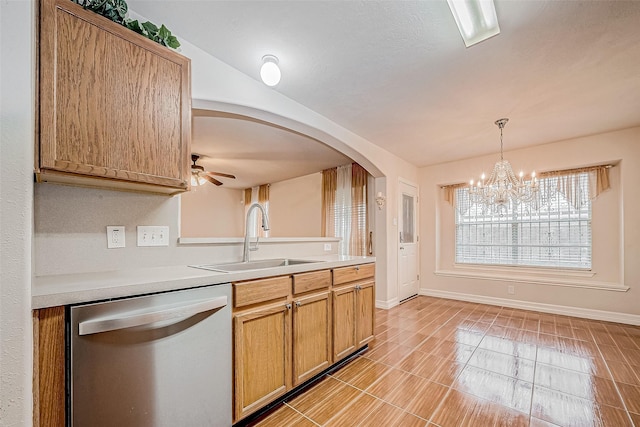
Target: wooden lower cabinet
(353, 321)
(262, 357)
(288, 329)
(311, 336)
(344, 322)
(49, 367)
(365, 308)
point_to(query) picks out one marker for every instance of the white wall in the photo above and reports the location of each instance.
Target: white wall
(70, 222)
(211, 211)
(615, 234)
(16, 199)
(295, 207)
(76, 243)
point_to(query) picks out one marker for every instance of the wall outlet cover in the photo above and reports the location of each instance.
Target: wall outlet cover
(327, 247)
(115, 236)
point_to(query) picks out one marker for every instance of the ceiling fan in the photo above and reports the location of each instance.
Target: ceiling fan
(199, 175)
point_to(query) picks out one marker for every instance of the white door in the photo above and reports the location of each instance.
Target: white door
(407, 242)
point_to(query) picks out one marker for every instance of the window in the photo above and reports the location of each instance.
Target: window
(556, 234)
(344, 201)
(258, 194)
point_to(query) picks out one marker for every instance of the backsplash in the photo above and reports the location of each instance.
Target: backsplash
(70, 233)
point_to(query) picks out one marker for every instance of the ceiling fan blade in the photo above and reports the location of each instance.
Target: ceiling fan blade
(212, 180)
(226, 175)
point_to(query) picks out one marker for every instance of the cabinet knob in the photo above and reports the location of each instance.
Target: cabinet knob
(358, 287)
(357, 268)
(288, 306)
(298, 303)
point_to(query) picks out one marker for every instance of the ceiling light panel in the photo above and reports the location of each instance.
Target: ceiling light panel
(476, 19)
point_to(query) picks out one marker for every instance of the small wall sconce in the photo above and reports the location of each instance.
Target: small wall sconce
(380, 200)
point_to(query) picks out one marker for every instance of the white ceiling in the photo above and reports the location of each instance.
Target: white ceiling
(256, 152)
(397, 72)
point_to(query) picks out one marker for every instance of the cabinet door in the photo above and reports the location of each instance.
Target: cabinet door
(365, 299)
(262, 357)
(49, 367)
(115, 107)
(311, 336)
(344, 322)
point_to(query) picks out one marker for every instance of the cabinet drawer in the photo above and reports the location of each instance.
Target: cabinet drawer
(256, 291)
(313, 280)
(355, 272)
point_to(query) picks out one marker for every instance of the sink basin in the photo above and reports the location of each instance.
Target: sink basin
(252, 265)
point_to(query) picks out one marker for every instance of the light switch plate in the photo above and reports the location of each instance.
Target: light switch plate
(153, 235)
(115, 236)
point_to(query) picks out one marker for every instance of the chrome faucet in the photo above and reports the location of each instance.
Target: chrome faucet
(265, 227)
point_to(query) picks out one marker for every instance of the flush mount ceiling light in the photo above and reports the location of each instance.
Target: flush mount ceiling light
(502, 186)
(270, 72)
(476, 19)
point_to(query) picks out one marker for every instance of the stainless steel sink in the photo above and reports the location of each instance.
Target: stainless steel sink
(252, 265)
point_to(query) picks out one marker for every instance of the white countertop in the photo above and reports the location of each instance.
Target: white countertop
(51, 291)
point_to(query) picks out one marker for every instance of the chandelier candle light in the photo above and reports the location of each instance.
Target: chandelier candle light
(503, 186)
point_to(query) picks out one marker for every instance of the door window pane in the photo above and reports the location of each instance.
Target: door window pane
(407, 219)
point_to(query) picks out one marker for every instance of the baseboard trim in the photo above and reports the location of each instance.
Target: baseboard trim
(387, 304)
(587, 313)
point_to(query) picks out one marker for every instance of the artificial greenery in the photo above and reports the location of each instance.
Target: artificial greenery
(116, 10)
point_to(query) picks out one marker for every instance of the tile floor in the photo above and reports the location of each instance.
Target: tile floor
(438, 362)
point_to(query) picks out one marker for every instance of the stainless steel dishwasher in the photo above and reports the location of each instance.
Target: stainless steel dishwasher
(156, 360)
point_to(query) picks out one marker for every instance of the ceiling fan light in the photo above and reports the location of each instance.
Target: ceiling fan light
(476, 19)
(270, 72)
(197, 180)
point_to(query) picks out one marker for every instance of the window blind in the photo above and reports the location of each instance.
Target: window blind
(555, 232)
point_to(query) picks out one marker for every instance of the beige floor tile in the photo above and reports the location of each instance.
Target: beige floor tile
(624, 373)
(631, 396)
(586, 365)
(353, 369)
(504, 364)
(500, 389)
(326, 408)
(285, 417)
(369, 375)
(387, 415)
(413, 361)
(396, 355)
(387, 384)
(571, 411)
(507, 346)
(357, 410)
(578, 384)
(427, 399)
(447, 363)
(461, 409)
(319, 392)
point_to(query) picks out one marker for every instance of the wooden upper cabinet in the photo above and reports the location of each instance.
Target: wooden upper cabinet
(115, 107)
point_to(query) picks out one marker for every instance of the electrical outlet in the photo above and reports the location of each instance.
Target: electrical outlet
(115, 236)
(153, 235)
(511, 289)
(327, 247)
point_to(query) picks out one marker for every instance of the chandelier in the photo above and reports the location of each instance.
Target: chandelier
(503, 186)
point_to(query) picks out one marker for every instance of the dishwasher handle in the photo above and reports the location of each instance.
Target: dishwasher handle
(132, 319)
